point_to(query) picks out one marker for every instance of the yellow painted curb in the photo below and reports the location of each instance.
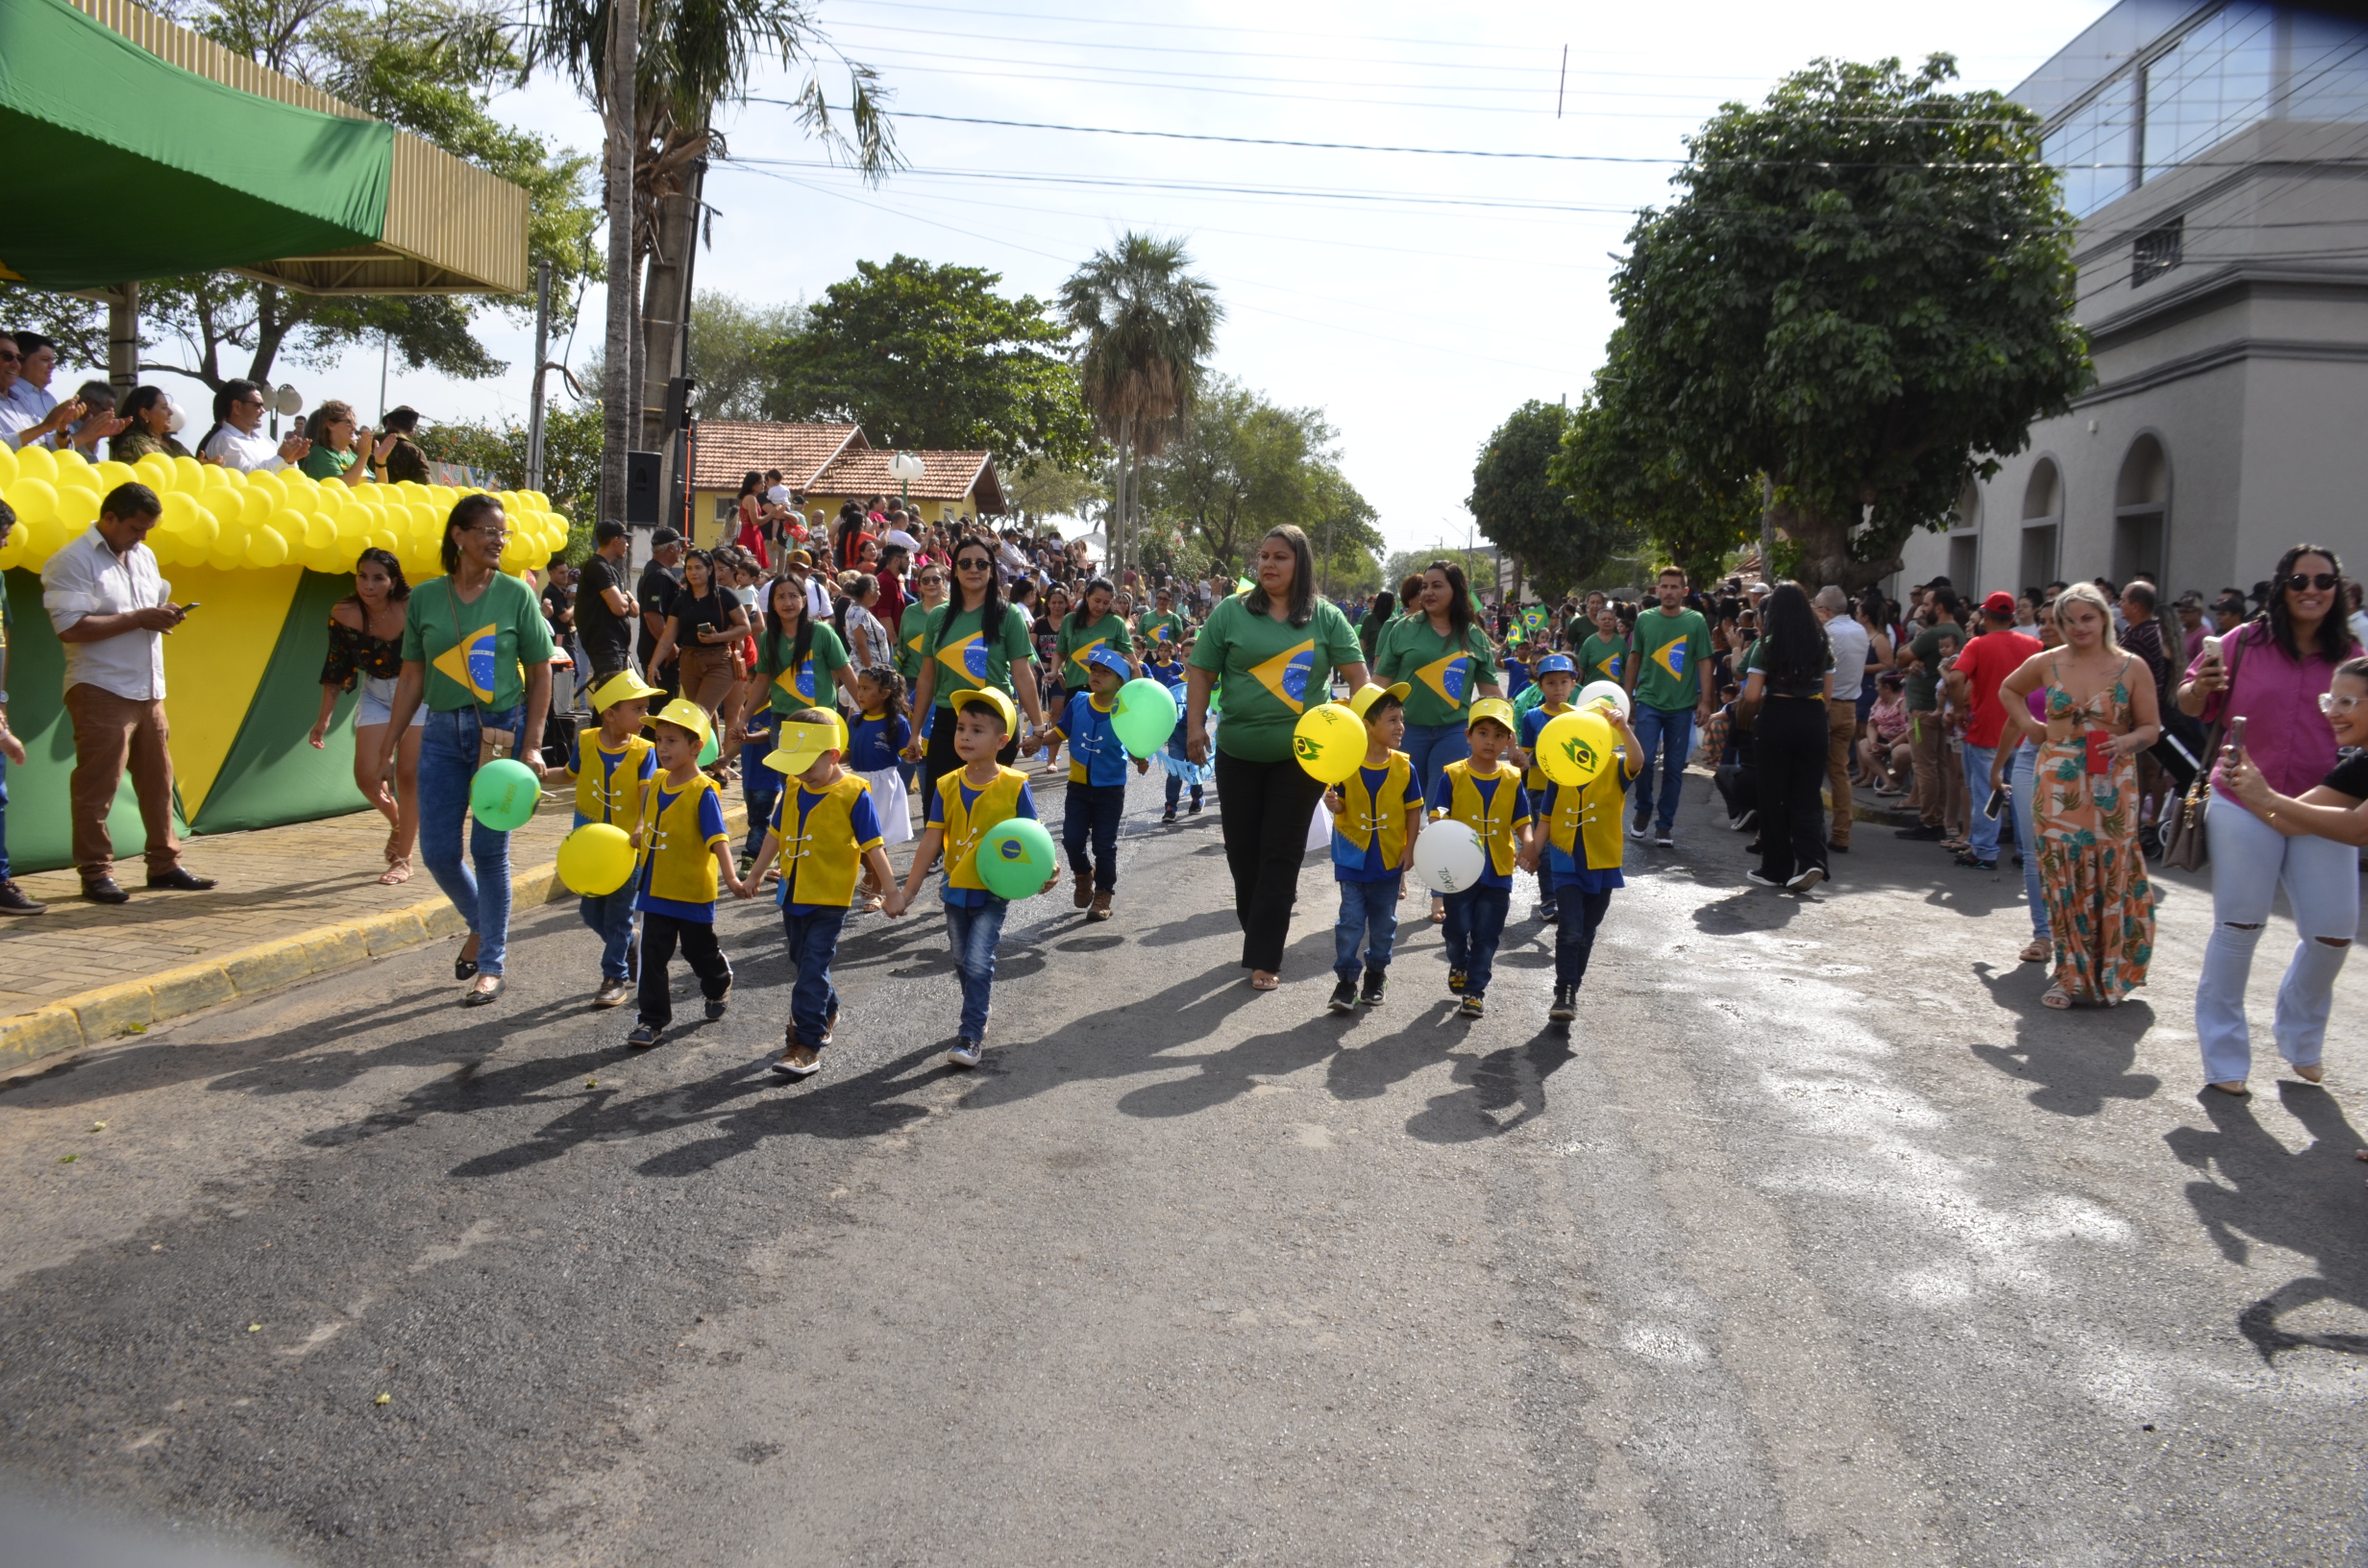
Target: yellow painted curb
(92, 1017)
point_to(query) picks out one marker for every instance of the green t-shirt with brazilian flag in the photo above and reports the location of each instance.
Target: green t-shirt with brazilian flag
(1669, 649)
(912, 630)
(1076, 641)
(1446, 671)
(1602, 658)
(1155, 629)
(815, 682)
(967, 661)
(1270, 671)
(472, 648)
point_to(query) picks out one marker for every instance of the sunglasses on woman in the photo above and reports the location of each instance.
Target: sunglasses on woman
(2330, 705)
(973, 563)
(2321, 580)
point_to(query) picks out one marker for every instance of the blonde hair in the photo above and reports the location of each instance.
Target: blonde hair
(2087, 593)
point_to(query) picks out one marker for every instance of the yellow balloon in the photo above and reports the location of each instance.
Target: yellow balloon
(77, 507)
(231, 539)
(155, 471)
(354, 522)
(442, 497)
(226, 556)
(167, 549)
(36, 463)
(180, 514)
(112, 474)
(267, 547)
(213, 476)
(204, 530)
(332, 498)
(412, 491)
(1573, 746)
(382, 539)
(13, 552)
(34, 498)
(8, 466)
(254, 506)
(187, 472)
(1329, 742)
(596, 860)
(46, 538)
(269, 484)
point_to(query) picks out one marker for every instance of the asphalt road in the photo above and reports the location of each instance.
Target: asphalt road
(1816, 1242)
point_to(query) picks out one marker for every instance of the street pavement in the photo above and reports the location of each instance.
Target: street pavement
(1817, 1240)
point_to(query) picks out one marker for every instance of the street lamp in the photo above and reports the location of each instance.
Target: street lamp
(906, 467)
(286, 401)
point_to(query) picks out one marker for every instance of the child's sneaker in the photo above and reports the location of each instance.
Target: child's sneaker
(1550, 913)
(1168, 816)
(831, 1026)
(1471, 1004)
(1102, 908)
(1455, 981)
(1377, 981)
(1194, 810)
(1565, 1004)
(1344, 998)
(717, 1007)
(643, 1036)
(1084, 896)
(798, 1061)
(611, 992)
(966, 1052)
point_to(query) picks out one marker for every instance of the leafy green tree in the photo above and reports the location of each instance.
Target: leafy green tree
(1040, 490)
(732, 346)
(571, 460)
(1241, 466)
(1618, 461)
(931, 357)
(1525, 513)
(1864, 293)
(1479, 566)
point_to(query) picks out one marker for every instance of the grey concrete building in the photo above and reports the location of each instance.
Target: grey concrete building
(2216, 159)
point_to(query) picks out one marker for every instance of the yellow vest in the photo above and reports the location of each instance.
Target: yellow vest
(1495, 822)
(998, 802)
(603, 794)
(1536, 777)
(1362, 818)
(1591, 816)
(818, 863)
(682, 865)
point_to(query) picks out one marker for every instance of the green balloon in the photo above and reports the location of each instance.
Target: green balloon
(708, 752)
(1143, 716)
(1016, 858)
(503, 795)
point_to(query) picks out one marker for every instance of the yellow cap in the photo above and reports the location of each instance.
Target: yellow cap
(622, 687)
(1496, 708)
(989, 697)
(1361, 699)
(802, 743)
(690, 716)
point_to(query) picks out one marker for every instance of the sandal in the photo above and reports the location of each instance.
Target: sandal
(2314, 1073)
(1261, 980)
(2235, 1089)
(398, 871)
(2037, 953)
(2056, 998)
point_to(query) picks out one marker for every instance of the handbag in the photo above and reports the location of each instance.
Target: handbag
(2184, 847)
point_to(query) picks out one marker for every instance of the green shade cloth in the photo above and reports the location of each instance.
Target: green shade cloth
(122, 166)
(272, 775)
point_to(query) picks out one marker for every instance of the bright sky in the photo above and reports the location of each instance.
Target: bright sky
(1416, 299)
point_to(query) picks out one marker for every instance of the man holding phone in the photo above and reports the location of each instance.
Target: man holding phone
(1973, 681)
(113, 611)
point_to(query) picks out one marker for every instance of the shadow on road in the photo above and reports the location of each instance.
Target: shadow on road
(2080, 1058)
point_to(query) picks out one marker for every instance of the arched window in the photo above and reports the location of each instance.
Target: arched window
(2142, 511)
(2042, 523)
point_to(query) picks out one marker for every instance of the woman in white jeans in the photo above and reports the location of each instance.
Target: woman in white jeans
(2275, 674)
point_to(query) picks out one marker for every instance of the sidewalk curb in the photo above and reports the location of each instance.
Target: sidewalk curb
(37, 1041)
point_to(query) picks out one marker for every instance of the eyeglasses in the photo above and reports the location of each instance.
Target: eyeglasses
(2301, 580)
(974, 563)
(250, 402)
(488, 532)
(2330, 705)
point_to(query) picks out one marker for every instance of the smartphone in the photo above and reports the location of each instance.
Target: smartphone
(1996, 803)
(2100, 750)
(2236, 734)
(191, 605)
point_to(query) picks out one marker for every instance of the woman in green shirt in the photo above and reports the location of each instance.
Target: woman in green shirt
(477, 650)
(337, 445)
(801, 663)
(1444, 654)
(971, 641)
(1277, 648)
(1093, 623)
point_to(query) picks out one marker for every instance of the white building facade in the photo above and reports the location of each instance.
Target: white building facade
(2216, 159)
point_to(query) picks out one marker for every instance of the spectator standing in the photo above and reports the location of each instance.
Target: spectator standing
(1667, 648)
(750, 532)
(705, 624)
(151, 424)
(1938, 787)
(1848, 640)
(402, 459)
(366, 650)
(869, 642)
(20, 424)
(237, 440)
(654, 594)
(975, 641)
(893, 562)
(1788, 689)
(1603, 652)
(604, 616)
(112, 609)
(339, 444)
(13, 899)
(1981, 668)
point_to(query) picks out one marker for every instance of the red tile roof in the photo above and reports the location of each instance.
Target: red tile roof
(723, 451)
(945, 476)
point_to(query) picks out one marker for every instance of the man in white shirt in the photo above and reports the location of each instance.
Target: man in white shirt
(28, 414)
(1849, 643)
(240, 442)
(111, 610)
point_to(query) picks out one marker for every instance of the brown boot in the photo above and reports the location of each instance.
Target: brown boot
(1102, 908)
(1084, 893)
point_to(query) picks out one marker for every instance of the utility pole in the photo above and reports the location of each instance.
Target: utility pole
(542, 353)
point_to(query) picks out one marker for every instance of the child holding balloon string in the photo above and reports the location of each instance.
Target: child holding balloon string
(823, 827)
(1582, 850)
(1485, 794)
(1557, 678)
(1097, 763)
(964, 808)
(1376, 816)
(685, 859)
(879, 735)
(612, 766)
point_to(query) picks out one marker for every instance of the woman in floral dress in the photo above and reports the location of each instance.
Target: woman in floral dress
(2101, 715)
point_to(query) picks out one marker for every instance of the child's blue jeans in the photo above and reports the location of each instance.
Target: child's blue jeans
(1368, 916)
(1176, 789)
(1475, 922)
(612, 916)
(759, 787)
(1574, 938)
(974, 930)
(813, 942)
(1092, 811)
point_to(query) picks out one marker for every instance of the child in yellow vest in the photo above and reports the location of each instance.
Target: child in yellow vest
(823, 826)
(1484, 792)
(1581, 852)
(610, 765)
(1557, 678)
(686, 858)
(967, 803)
(1376, 813)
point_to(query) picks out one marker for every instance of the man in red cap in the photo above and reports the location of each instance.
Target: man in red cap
(1973, 681)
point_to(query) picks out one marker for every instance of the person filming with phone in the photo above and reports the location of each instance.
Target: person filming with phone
(113, 611)
(2266, 688)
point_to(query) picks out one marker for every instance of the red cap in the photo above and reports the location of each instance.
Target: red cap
(2000, 602)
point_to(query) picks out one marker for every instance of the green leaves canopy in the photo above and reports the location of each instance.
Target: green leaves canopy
(1527, 513)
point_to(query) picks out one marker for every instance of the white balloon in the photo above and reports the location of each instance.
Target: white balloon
(1448, 857)
(1610, 690)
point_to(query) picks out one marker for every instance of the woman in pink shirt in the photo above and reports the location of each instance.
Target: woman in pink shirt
(2270, 674)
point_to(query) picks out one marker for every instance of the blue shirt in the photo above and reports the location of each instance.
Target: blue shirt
(1571, 869)
(972, 897)
(1516, 677)
(1093, 745)
(874, 742)
(1349, 864)
(1443, 799)
(574, 764)
(710, 829)
(860, 817)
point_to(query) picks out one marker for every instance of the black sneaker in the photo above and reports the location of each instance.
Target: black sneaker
(1975, 863)
(1376, 982)
(1168, 816)
(1194, 810)
(1663, 840)
(1565, 1004)
(1455, 980)
(718, 1007)
(1920, 834)
(1758, 881)
(965, 1053)
(1748, 816)
(14, 901)
(1344, 998)
(1550, 913)
(1471, 1007)
(643, 1036)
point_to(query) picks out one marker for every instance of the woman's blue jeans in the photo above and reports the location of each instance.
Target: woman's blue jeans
(447, 762)
(1430, 748)
(974, 930)
(2022, 786)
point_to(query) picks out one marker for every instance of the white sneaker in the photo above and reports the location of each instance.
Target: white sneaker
(966, 1053)
(1636, 831)
(1663, 840)
(1807, 879)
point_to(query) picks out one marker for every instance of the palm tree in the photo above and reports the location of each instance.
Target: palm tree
(1144, 327)
(657, 70)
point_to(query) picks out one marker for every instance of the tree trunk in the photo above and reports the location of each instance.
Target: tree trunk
(617, 426)
(1824, 544)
